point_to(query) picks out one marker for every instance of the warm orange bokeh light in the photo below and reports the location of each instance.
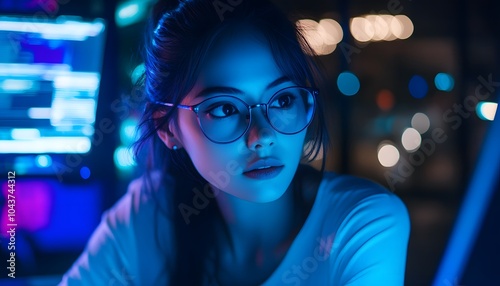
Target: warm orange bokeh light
(385, 99)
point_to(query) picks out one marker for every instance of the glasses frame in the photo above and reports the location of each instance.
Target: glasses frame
(195, 108)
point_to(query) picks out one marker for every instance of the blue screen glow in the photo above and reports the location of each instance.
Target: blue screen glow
(50, 75)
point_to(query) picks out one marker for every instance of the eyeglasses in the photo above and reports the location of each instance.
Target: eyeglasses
(225, 118)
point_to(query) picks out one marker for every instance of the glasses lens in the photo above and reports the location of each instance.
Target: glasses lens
(223, 119)
(291, 110)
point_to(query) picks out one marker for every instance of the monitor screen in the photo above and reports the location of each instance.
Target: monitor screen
(50, 74)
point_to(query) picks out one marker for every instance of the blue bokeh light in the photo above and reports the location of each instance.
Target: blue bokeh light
(128, 131)
(348, 83)
(486, 110)
(444, 82)
(418, 87)
(85, 172)
(43, 161)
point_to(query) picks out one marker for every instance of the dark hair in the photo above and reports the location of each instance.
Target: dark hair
(180, 34)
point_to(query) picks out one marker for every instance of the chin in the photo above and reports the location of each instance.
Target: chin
(265, 195)
(275, 189)
(265, 191)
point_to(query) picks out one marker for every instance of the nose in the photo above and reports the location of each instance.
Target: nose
(260, 135)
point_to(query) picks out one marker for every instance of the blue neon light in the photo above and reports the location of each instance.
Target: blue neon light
(474, 207)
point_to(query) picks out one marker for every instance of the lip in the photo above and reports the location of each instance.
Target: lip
(264, 168)
(263, 163)
(266, 173)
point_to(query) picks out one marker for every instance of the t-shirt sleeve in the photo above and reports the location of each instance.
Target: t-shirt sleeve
(370, 244)
(109, 254)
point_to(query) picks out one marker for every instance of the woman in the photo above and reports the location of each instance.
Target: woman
(233, 112)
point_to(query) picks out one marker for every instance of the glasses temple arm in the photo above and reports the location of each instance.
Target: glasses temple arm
(172, 105)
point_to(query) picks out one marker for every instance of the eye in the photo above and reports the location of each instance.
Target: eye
(222, 110)
(285, 100)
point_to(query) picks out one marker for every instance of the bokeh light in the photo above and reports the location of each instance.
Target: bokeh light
(444, 82)
(137, 73)
(418, 87)
(381, 27)
(130, 12)
(123, 158)
(411, 139)
(385, 99)
(330, 31)
(128, 131)
(388, 154)
(390, 35)
(43, 161)
(322, 37)
(348, 83)
(85, 172)
(405, 27)
(361, 29)
(486, 110)
(420, 122)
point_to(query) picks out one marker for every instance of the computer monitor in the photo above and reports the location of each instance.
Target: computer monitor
(50, 74)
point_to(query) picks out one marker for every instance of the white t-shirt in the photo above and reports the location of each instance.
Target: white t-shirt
(356, 234)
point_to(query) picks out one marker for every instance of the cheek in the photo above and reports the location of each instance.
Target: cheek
(294, 144)
(205, 155)
(218, 164)
(189, 131)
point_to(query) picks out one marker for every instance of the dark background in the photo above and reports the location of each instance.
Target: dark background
(460, 38)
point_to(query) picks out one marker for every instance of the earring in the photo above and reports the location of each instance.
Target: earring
(175, 147)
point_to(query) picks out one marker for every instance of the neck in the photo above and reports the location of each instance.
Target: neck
(259, 233)
(267, 228)
(259, 236)
(256, 220)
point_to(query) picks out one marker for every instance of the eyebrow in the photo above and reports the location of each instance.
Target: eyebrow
(232, 90)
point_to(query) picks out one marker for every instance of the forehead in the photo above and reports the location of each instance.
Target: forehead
(240, 58)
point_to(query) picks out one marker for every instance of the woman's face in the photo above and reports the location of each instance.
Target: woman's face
(244, 63)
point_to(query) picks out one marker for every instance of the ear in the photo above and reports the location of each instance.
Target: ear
(167, 134)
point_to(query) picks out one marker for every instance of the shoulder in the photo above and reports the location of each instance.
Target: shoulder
(349, 192)
(368, 227)
(145, 207)
(129, 230)
(343, 183)
(143, 196)
(147, 189)
(350, 204)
